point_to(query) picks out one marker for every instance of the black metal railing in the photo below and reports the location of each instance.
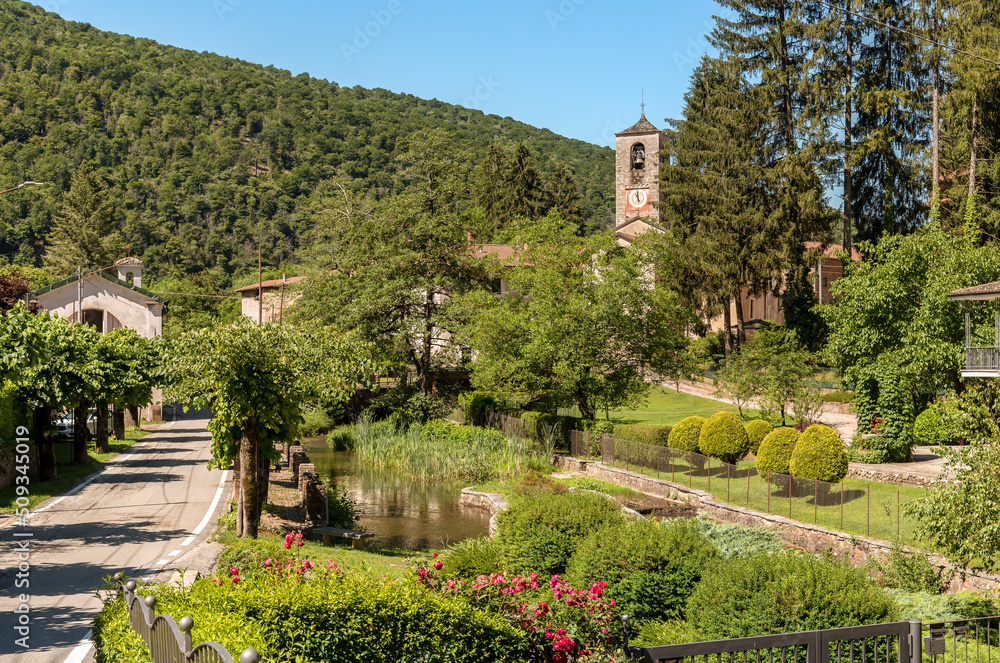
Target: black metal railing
(982, 359)
(874, 643)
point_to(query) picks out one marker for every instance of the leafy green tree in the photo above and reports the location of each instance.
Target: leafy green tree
(255, 378)
(390, 270)
(86, 233)
(892, 323)
(128, 368)
(576, 326)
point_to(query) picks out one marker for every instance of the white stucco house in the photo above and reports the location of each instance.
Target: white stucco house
(108, 302)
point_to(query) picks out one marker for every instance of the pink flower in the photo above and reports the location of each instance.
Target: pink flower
(236, 579)
(435, 554)
(561, 631)
(234, 571)
(438, 565)
(422, 573)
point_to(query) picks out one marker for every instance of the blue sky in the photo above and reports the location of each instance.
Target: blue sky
(577, 67)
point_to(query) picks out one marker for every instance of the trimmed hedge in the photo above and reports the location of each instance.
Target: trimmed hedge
(539, 533)
(724, 437)
(776, 451)
(645, 433)
(345, 620)
(7, 414)
(686, 434)
(477, 406)
(757, 430)
(784, 593)
(651, 568)
(819, 454)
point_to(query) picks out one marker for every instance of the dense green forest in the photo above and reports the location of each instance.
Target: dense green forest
(205, 158)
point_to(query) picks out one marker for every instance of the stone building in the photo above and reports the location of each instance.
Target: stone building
(276, 298)
(637, 176)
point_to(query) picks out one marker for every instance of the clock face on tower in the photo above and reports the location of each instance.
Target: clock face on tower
(637, 198)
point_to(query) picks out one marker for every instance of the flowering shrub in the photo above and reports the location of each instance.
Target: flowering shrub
(293, 538)
(562, 623)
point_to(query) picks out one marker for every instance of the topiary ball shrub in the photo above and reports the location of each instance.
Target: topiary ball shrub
(654, 435)
(776, 451)
(757, 430)
(470, 558)
(686, 434)
(819, 454)
(650, 567)
(784, 593)
(724, 437)
(539, 533)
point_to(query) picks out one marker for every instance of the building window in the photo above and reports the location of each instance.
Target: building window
(130, 278)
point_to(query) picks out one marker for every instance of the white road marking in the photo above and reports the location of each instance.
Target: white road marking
(173, 553)
(80, 651)
(71, 493)
(162, 562)
(211, 510)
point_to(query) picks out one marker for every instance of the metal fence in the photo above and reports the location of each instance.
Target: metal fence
(169, 641)
(859, 507)
(875, 643)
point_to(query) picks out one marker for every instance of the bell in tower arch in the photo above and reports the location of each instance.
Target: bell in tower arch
(638, 156)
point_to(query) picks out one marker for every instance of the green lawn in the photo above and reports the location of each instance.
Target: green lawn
(68, 475)
(864, 508)
(506, 488)
(666, 407)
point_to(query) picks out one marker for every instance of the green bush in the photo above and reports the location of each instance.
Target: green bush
(248, 555)
(819, 454)
(686, 434)
(650, 567)
(757, 430)
(839, 397)
(341, 439)
(673, 632)
(315, 422)
(776, 451)
(932, 428)
(341, 509)
(724, 437)
(351, 619)
(539, 533)
(933, 607)
(907, 571)
(732, 540)
(470, 558)
(477, 407)
(655, 435)
(7, 414)
(784, 593)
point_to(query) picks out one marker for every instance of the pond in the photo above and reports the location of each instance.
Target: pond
(400, 512)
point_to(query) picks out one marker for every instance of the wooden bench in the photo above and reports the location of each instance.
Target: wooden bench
(358, 538)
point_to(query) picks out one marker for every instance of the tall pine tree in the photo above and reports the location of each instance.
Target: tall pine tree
(86, 234)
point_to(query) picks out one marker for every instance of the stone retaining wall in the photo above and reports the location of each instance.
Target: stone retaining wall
(809, 538)
(311, 486)
(882, 476)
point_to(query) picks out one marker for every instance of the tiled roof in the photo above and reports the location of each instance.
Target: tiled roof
(273, 283)
(831, 250)
(128, 261)
(503, 252)
(643, 126)
(983, 289)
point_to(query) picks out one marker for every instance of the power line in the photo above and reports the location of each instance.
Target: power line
(192, 294)
(907, 32)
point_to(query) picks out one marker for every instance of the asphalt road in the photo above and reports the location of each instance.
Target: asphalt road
(140, 515)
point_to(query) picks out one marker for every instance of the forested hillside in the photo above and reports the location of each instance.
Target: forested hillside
(206, 157)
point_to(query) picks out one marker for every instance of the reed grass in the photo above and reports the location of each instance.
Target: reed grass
(420, 451)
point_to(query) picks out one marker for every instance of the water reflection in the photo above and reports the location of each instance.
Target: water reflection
(400, 512)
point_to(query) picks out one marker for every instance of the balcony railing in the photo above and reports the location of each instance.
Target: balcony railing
(982, 359)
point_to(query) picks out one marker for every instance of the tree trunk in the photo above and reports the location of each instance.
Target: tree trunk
(249, 499)
(586, 411)
(81, 436)
(133, 411)
(43, 442)
(263, 476)
(101, 429)
(848, 89)
(727, 335)
(119, 420)
(935, 142)
(974, 148)
(741, 325)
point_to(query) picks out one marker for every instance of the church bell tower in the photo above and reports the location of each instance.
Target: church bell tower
(637, 173)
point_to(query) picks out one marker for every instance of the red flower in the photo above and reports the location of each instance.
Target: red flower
(438, 565)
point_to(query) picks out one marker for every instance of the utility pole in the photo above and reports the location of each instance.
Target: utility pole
(79, 295)
(260, 290)
(281, 306)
